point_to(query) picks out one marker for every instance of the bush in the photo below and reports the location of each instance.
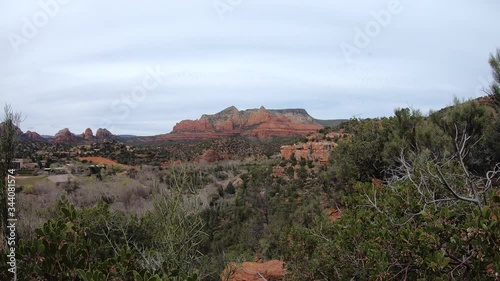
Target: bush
(230, 188)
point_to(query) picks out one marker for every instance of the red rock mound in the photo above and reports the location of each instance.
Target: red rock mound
(104, 134)
(65, 136)
(88, 134)
(32, 136)
(252, 271)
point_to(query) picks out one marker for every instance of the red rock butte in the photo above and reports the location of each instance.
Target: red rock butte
(260, 123)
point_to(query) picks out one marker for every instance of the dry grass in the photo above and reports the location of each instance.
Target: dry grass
(122, 193)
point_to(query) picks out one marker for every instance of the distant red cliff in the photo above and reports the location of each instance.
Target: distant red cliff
(260, 123)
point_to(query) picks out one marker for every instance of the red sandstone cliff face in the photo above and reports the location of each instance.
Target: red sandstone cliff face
(260, 123)
(319, 147)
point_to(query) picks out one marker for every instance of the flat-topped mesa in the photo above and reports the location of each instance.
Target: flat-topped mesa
(261, 123)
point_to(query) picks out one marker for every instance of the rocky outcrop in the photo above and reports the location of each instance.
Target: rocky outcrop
(32, 136)
(260, 123)
(28, 136)
(318, 147)
(88, 134)
(314, 151)
(104, 134)
(252, 271)
(65, 136)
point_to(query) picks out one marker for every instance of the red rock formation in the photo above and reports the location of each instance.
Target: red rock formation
(103, 134)
(32, 136)
(314, 151)
(260, 116)
(65, 136)
(88, 134)
(251, 271)
(318, 148)
(260, 123)
(2, 126)
(193, 126)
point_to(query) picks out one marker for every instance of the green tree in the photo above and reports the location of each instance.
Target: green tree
(176, 227)
(494, 91)
(9, 137)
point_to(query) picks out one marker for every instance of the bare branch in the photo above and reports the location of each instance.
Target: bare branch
(450, 188)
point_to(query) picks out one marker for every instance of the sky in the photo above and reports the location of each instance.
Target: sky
(139, 67)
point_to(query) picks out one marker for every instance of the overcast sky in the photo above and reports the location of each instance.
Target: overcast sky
(138, 67)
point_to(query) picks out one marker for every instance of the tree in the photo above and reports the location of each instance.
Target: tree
(176, 228)
(494, 91)
(9, 137)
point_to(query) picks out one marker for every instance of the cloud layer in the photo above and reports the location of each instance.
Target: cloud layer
(78, 64)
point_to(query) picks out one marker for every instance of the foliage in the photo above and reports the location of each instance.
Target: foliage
(494, 92)
(388, 234)
(89, 244)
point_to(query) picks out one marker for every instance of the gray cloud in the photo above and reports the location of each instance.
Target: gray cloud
(91, 55)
